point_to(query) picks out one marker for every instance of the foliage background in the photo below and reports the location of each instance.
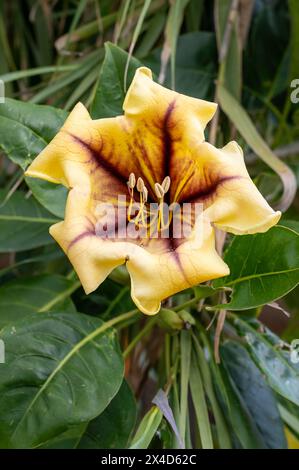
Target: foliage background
(62, 384)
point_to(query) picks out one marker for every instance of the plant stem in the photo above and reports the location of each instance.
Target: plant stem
(140, 335)
(167, 354)
(120, 318)
(187, 304)
(115, 302)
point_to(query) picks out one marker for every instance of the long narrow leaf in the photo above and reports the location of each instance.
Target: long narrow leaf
(245, 126)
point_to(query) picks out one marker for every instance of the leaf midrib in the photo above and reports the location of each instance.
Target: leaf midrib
(257, 275)
(25, 126)
(68, 356)
(31, 219)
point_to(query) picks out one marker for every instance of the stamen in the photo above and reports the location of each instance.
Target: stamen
(131, 185)
(166, 184)
(143, 198)
(159, 191)
(145, 194)
(140, 184)
(141, 219)
(132, 181)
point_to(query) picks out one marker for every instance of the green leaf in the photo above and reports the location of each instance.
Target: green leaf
(24, 224)
(292, 224)
(151, 36)
(263, 267)
(49, 195)
(112, 429)
(207, 366)
(50, 254)
(147, 428)
(241, 119)
(195, 64)
(25, 129)
(257, 395)
(274, 362)
(294, 18)
(232, 65)
(110, 92)
(61, 370)
(200, 405)
(172, 29)
(243, 425)
(24, 296)
(19, 74)
(185, 343)
(269, 30)
(290, 415)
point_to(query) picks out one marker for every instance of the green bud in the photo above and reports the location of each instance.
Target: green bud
(170, 320)
(187, 318)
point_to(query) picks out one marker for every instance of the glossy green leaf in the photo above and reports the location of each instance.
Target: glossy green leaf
(243, 122)
(61, 370)
(290, 415)
(112, 429)
(207, 366)
(42, 293)
(275, 363)
(292, 224)
(147, 428)
(110, 92)
(185, 346)
(51, 254)
(200, 405)
(49, 195)
(24, 224)
(25, 129)
(242, 423)
(270, 30)
(195, 64)
(263, 267)
(258, 396)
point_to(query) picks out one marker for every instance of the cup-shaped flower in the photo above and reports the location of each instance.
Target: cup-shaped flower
(146, 190)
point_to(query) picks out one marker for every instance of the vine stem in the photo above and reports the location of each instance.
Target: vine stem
(189, 303)
(138, 337)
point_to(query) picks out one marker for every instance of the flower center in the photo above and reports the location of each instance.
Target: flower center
(148, 215)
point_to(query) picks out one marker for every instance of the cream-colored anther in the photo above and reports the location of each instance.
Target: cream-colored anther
(159, 191)
(166, 184)
(132, 181)
(140, 184)
(145, 194)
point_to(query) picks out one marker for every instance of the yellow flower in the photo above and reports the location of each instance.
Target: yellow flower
(152, 158)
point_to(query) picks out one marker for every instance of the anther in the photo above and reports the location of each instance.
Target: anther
(166, 184)
(159, 191)
(145, 194)
(132, 181)
(140, 184)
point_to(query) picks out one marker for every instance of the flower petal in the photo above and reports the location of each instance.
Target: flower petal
(163, 272)
(144, 141)
(92, 257)
(164, 126)
(63, 161)
(157, 271)
(231, 200)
